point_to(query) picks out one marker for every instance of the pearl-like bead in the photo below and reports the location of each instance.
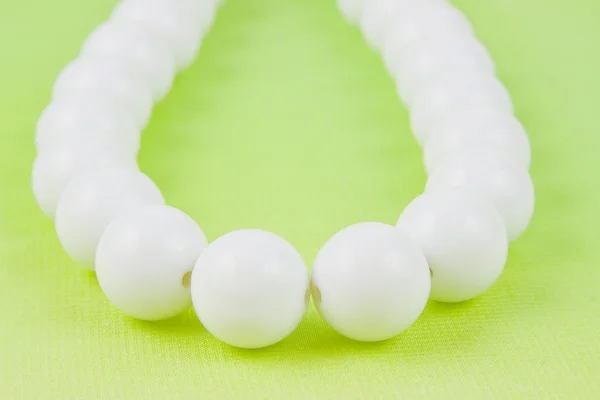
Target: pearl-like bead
(437, 19)
(144, 261)
(379, 17)
(452, 92)
(115, 79)
(62, 160)
(174, 24)
(86, 115)
(137, 46)
(493, 177)
(203, 12)
(92, 200)
(426, 59)
(480, 128)
(462, 237)
(250, 288)
(352, 9)
(370, 282)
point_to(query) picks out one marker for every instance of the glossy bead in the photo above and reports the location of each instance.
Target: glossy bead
(63, 159)
(137, 46)
(452, 92)
(92, 200)
(478, 128)
(86, 115)
(352, 9)
(144, 261)
(379, 17)
(438, 19)
(250, 288)
(493, 177)
(370, 282)
(426, 59)
(462, 237)
(110, 78)
(174, 24)
(203, 12)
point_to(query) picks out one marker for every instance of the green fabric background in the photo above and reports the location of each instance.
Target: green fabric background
(288, 122)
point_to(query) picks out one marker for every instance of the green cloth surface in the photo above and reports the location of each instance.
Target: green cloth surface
(288, 122)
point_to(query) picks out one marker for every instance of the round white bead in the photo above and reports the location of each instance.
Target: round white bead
(250, 288)
(352, 9)
(462, 237)
(491, 176)
(144, 261)
(62, 160)
(480, 128)
(86, 115)
(370, 282)
(437, 19)
(452, 92)
(379, 17)
(426, 59)
(179, 28)
(92, 200)
(203, 12)
(140, 48)
(111, 78)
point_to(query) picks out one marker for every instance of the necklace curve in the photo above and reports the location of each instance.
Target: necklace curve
(251, 288)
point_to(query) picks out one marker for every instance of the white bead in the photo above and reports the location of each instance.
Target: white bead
(203, 11)
(250, 288)
(136, 45)
(86, 115)
(180, 29)
(370, 282)
(144, 261)
(92, 200)
(426, 59)
(63, 159)
(479, 128)
(352, 9)
(463, 238)
(493, 177)
(109, 78)
(379, 17)
(452, 92)
(426, 20)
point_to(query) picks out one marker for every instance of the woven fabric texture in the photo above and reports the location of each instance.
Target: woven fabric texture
(288, 122)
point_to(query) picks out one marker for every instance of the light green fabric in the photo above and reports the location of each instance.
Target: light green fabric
(288, 122)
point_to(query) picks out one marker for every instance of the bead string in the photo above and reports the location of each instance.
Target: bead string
(250, 288)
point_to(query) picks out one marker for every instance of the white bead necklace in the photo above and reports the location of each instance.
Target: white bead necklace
(251, 288)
